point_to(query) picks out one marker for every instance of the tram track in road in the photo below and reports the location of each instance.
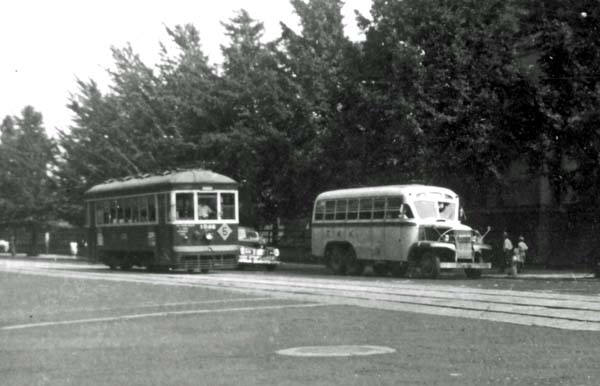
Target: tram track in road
(573, 312)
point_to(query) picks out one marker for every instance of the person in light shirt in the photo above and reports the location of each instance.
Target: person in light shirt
(523, 248)
(507, 250)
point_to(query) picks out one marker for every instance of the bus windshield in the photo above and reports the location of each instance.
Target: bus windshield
(436, 209)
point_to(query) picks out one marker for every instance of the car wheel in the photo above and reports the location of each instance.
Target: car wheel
(473, 273)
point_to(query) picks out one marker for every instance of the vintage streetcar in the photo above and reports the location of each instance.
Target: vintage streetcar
(184, 219)
(397, 229)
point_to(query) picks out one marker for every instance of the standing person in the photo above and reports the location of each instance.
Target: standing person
(507, 251)
(522, 251)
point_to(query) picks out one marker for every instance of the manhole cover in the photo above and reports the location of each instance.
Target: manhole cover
(335, 351)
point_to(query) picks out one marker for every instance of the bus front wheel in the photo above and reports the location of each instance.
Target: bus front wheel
(430, 266)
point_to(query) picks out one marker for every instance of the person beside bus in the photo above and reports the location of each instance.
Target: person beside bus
(507, 250)
(523, 248)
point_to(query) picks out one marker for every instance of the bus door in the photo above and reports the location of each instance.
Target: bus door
(378, 231)
(361, 230)
(161, 231)
(400, 229)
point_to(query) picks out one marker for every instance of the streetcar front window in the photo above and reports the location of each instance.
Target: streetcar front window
(184, 203)
(207, 206)
(228, 206)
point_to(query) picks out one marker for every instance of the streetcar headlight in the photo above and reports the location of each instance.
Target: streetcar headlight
(209, 236)
(276, 252)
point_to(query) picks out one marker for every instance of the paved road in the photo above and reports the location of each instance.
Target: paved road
(81, 324)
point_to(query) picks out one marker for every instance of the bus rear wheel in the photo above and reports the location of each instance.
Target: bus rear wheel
(336, 260)
(430, 266)
(353, 265)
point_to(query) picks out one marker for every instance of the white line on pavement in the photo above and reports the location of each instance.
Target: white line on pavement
(159, 314)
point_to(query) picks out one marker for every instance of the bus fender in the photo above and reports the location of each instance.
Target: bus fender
(419, 248)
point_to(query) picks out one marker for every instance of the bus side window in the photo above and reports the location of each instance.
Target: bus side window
(329, 210)
(320, 210)
(340, 209)
(366, 208)
(379, 208)
(406, 212)
(392, 210)
(352, 209)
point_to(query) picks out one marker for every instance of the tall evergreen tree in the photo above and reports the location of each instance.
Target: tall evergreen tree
(27, 156)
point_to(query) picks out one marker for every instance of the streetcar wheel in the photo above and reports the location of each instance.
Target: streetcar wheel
(204, 270)
(430, 266)
(399, 269)
(112, 267)
(336, 262)
(473, 273)
(271, 267)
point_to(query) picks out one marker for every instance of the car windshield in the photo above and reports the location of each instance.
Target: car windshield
(248, 234)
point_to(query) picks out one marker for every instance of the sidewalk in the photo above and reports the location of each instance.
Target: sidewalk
(44, 257)
(528, 273)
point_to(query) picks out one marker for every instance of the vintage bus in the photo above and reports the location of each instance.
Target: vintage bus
(185, 219)
(397, 229)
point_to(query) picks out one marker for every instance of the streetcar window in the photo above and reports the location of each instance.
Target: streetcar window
(106, 212)
(113, 211)
(228, 206)
(120, 212)
(143, 206)
(184, 204)
(151, 209)
(100, 213)
(207, 206)
(135, 213)
(127, 210)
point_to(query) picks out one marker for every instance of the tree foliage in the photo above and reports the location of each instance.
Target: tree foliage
(445, 92)
(27, 156)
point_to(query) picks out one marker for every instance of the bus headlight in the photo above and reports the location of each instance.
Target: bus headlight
(446, 238)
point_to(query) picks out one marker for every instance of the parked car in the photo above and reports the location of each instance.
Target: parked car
(4, 246)
(254, 251)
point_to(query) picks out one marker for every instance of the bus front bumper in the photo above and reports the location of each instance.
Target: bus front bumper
(465, 265)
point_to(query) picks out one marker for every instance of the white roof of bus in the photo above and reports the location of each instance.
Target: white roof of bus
(388, 190)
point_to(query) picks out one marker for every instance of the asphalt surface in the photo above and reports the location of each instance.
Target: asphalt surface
(65, 323)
